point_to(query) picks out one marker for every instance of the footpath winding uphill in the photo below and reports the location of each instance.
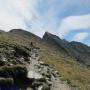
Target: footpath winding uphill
(43, 75)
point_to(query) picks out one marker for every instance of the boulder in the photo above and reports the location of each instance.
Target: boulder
(34, 75)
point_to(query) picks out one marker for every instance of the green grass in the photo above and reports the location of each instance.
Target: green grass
(74, 73)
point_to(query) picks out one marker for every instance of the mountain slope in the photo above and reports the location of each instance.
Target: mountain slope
(75, 50)
(25, 34)
(57, 53)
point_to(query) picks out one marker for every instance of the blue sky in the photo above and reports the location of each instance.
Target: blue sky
(69, 19)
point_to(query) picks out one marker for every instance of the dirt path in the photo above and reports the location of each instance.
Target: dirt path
(39, 70)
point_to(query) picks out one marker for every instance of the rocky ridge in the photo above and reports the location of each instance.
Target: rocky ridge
(79, 51)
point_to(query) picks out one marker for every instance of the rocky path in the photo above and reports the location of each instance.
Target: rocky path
(45, 77)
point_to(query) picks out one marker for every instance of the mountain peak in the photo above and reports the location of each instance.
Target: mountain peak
(47, 33)
(79, 51)
(16, 30)
(2, 31)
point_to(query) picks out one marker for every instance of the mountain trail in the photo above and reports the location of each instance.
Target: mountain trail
(45, 77)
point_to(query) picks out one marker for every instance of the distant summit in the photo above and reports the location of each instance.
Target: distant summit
(77, 50)
(2, 31)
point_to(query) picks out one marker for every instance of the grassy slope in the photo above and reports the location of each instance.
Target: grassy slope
(75, 73)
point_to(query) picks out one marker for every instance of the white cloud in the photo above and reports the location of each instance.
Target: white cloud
(80, 36)
(24, 7)
(8, 22)
(37, 28)
(74, 23)
(13, 13)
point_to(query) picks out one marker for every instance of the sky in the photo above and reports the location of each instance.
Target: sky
(69, 19)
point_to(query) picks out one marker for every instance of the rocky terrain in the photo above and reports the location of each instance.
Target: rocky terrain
(28, 62)
(73, 49)
(18, 63)
(44, 76)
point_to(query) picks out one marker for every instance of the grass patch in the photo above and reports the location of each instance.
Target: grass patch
(74, 73)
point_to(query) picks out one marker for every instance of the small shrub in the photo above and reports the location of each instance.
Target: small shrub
(16, 71)
(68, 81)
(6, 81)
(45, 87)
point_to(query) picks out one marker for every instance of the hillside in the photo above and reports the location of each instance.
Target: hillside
(76, 50)
(22, 52)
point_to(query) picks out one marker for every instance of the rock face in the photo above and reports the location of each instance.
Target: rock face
(34, 75)
(76, 50)
(81, 51)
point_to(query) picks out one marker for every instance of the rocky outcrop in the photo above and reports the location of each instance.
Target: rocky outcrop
(75, 50)
(11, 54)
(12, 64)
(81, 51)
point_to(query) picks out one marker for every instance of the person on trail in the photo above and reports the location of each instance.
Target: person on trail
(32, 44)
